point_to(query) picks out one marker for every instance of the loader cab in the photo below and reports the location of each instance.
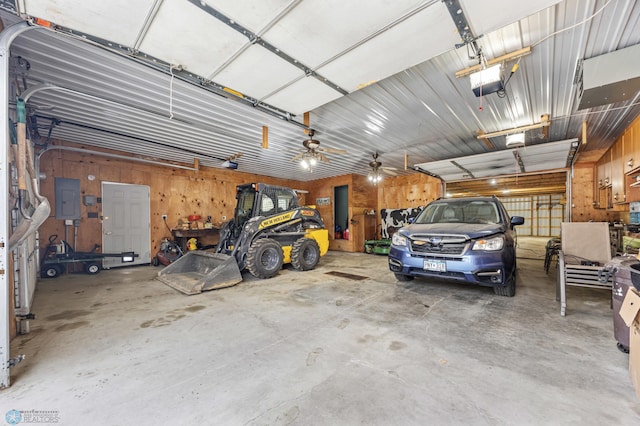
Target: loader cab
(246, 197)
(262, 200)
(275, 199)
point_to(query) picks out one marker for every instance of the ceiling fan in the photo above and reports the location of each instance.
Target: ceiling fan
(314, 152)
(375, 175)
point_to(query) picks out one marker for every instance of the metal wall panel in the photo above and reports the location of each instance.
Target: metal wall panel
(543, 214)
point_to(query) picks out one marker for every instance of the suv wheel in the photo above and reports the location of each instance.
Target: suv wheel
(403, 277)
(510, 289)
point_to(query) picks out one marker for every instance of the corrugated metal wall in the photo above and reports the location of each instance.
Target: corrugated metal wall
(543, 214)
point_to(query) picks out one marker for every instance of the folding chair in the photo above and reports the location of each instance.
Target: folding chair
(584, 252)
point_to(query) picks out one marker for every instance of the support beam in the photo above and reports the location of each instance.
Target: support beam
(545, 122)
(265, 137)
(483, 138)
(508, 57)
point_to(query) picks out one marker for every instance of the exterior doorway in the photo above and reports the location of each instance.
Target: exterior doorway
(341, 210)
(126, 222)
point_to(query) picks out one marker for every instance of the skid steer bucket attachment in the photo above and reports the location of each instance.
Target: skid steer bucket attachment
(198, 271)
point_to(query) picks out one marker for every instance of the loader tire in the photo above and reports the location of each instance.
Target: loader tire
(264, 258)
(305, 254)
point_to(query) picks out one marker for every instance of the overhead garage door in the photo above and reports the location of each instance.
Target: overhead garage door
(543, 214)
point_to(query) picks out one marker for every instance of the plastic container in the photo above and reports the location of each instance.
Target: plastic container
(625, 270)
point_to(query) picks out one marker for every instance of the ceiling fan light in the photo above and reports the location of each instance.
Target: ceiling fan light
(313, 161)
(304, 164)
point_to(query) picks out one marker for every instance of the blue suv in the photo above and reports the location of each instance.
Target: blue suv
(465, 239)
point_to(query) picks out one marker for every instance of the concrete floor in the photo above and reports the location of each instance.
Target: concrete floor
(120, 348)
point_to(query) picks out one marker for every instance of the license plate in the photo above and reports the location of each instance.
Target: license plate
(435, 265)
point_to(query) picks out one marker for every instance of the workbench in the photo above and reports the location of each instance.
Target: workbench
(205, 236)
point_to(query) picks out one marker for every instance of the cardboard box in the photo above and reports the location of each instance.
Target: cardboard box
(630, 313)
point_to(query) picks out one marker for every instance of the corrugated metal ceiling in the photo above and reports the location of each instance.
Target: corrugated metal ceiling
(114, 102)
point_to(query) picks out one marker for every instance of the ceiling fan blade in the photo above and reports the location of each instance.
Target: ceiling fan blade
(388, 171)
(298, 156)
(235, 156)
(332, 150)
(322, 157)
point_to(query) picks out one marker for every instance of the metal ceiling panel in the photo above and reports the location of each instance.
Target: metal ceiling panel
(118, 20)
(317, 30)
(423, 111)
(303, 95)
(489, 15)
(395, 49)
(182, 34)
(247, 74)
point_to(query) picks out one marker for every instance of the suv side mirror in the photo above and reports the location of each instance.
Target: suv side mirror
(516, 220)
(411, 220)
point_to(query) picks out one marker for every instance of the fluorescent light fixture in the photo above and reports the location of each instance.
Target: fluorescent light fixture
(487, 81)
(515, 140)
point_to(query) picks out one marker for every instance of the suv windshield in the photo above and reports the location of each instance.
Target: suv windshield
(460, 212)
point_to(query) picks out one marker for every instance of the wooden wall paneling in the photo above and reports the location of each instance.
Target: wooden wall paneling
(325, 188)
(174, 192)
(415, 190)
(365, 198)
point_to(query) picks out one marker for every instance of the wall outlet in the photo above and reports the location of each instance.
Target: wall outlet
(224, 218)
(164, 217)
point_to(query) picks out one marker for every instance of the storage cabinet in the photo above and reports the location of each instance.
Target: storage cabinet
(602, 185)
(618, 182)
(631, 148)
(604, 170)
(631, 160)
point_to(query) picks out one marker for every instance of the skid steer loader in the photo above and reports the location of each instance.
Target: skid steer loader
(268, 229)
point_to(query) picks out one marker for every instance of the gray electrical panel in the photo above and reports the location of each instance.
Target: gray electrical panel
(67, 198)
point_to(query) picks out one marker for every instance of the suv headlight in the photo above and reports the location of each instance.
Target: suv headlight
(398, 240)
(490, 244)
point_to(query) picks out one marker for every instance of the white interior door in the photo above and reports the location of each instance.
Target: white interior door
(126, 222)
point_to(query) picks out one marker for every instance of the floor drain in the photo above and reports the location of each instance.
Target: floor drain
(345, 275)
